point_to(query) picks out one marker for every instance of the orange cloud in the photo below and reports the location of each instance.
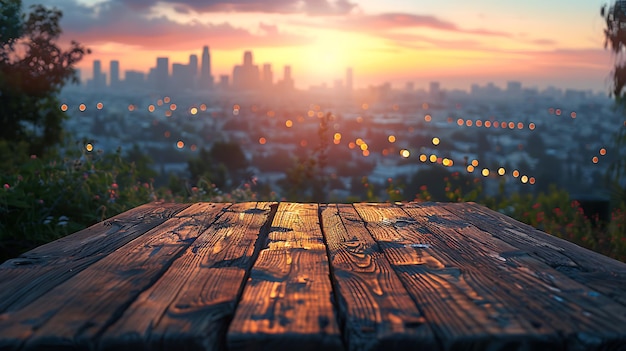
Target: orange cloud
(114, 23)
(389, 21)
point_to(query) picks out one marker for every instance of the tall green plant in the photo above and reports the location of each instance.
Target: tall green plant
(33, 69)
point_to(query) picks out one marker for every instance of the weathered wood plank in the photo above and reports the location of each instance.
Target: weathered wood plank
(286, 303)
(452, 284)
(190, 305)
(376, 310)
(74, 313)
(27, 277)
(529, 288)
(587, 267)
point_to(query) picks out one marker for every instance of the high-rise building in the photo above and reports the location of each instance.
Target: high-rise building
(434, 88)
(246, 76)
(97, 69)
(268, 76)
(181, 77)
(134, 79)
(223, 84)
(247, 58)
(349, 82)
(193, 69)
(514, 88)
(161, 78)
(114, 74)
(287, 80)
(206, 79)
(98, 81)
(193, 65)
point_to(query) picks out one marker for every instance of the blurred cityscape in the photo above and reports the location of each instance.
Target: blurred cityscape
(502, 132)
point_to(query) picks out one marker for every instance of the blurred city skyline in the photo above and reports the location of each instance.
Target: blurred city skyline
(556, 43)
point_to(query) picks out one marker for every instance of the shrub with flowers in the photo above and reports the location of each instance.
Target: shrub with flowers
(43, 199)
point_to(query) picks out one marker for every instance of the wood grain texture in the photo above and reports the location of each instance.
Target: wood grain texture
(452, 288)
(554, 304)
(286, 302)
(35, 272)
(592, 269)
(74, 313)
(191, 304)
(259, 276)
(376, 310)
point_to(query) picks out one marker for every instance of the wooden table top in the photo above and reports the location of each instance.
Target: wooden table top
(289, 276)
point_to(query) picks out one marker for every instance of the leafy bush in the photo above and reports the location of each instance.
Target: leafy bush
(43, 199)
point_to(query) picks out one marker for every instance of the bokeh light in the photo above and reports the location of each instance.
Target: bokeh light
(435, 141)
(391, 138)
(82, 107)
(405, 153)
(180, 144)
(89, 147)
(485, 172)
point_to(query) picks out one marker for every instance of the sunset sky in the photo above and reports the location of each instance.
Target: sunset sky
(456, 42)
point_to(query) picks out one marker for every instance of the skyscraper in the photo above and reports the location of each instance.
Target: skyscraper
(287, 80)
(99, 79)
(193, 64)
(181, 77)
(134, 79)
(193, 69)
(246, 76)
(162, 73)
(206, 79)
(114, 74)
(435, 91)
(223, 83)
(268, 76)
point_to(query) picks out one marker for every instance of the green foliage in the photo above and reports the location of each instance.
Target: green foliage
(43, 199)
(32, 71)
(308, 180)
(224, 164)
(615, 39)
